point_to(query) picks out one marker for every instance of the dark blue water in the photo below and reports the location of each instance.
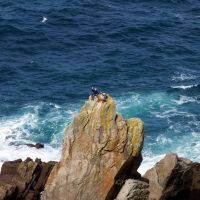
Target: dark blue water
(146, 54)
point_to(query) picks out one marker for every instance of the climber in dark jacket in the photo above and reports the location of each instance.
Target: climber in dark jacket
(95, 92)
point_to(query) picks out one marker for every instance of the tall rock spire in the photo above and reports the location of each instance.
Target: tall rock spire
(98, 146)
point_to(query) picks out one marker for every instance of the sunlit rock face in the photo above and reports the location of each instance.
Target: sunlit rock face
(96, 145)
(174, 178)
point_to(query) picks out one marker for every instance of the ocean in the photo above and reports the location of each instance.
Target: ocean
(146, 54)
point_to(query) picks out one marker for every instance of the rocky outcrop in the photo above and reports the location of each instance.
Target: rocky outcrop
(174, 178)
(134, 190)
(100, 151)
(23, 180)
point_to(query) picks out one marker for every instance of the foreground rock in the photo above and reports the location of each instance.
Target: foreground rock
(174, 178)
(23, 180)
(134, 190)
(100, 151)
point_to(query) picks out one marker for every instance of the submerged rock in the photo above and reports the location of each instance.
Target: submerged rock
(174, 178)
(100, 150)
(37, 145)
(23, 180)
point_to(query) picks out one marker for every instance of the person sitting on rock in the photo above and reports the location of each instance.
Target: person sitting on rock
(95, 92)
(104, 96)
(101, 96)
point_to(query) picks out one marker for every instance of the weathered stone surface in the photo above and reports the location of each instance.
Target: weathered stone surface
(96, 145)
(174, 178)
(7, 191)
(23, 180)
(134, 190)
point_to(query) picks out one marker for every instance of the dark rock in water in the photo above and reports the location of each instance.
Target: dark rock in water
(37, 145)
(174, 178)
(23, 180)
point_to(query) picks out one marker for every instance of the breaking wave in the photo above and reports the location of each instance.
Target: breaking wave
(43, 123)
(169, 126)
(185, 99)
(184, 87)
(183, 77)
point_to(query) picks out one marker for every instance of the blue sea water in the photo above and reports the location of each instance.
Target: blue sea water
(146, 54)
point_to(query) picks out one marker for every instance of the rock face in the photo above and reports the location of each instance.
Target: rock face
(174, 178)
(23, 180)
(100, 149)
(134, 190)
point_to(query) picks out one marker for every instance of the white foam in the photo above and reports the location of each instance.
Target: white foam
(162, 140)
(187, 146)
(54, 140)
(17, 131)
(14, 128)
(190, 149)
(184, 87)
(9, 153)
(195, 134)
(186, 99)
(183, 77)
(172, 113)
(148, 162)
(55, 105)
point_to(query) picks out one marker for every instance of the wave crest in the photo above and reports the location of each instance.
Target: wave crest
(183, 77)
(184, 87)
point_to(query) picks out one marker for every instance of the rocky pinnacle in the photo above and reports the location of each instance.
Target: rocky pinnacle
(99, 151)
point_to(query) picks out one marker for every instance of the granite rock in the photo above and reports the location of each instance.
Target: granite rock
(134, 190)
(174, 178)
(100, 149)
(23, 180)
